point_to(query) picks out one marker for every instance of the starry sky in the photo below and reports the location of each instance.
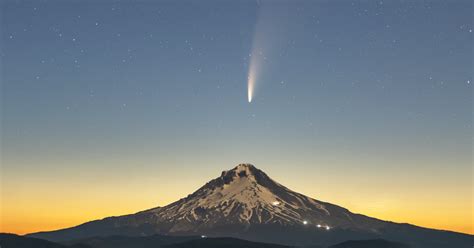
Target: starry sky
(112, 107)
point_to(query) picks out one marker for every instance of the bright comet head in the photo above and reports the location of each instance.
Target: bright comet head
(250, 86)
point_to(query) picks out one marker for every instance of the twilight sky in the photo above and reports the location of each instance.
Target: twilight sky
(114, 107)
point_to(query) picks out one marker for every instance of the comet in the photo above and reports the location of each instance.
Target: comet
(266, 41)
(257, 59)
(259, 43)
(250, 84)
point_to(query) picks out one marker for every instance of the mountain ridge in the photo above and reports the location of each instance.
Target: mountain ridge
(245, 202)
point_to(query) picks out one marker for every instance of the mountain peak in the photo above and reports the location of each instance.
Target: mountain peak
(248, 171)
(244, 166)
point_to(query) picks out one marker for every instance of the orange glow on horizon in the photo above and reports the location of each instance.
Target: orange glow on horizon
(30, 218)
(63, 201)
(32, 224)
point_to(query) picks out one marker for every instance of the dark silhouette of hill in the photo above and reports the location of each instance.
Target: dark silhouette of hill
(222, 243)
(152, 241)
(375, 243)
(15, 241)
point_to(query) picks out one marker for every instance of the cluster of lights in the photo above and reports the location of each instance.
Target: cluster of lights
(326, 227)
(305, 222)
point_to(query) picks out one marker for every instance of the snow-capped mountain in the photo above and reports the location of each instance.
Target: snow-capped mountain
(245, 195)
(246, 203)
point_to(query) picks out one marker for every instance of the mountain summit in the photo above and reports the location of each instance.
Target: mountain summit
(245, 202)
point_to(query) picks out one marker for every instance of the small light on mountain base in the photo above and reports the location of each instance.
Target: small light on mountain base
(305, 222)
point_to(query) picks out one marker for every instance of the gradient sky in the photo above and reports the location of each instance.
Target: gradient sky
(115, 107)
